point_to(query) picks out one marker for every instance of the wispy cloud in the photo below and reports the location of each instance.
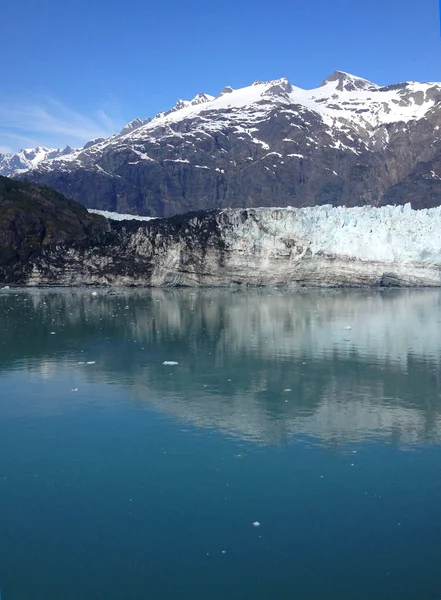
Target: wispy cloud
(49, 122)
(6, 149)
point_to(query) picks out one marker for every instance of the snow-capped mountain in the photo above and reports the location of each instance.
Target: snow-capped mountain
(26, 159)
(348, 142)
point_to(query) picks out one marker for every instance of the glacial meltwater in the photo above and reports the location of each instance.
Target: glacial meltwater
(220, 445)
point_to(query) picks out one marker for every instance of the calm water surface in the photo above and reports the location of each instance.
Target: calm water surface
(315, 414)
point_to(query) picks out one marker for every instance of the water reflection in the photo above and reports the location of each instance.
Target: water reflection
(336, 366)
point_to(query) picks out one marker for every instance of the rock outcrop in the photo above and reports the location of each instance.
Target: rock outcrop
(33, 218)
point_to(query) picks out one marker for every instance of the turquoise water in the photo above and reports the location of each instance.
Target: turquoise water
(315, 414)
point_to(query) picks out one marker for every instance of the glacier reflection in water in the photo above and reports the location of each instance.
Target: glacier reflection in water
(267, 366)
(315, 413)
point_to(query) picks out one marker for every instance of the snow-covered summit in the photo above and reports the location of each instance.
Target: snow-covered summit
(348, 82)
(29, 158)
(346, 142)
(342, 101)
(201, 98)
(132, 125)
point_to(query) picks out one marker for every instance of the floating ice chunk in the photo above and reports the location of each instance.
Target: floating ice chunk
(75, 390)
(81, 362)
(6, 287)
(94, 294)
(90, 362)
(170, 362)
(256, 524)
(224, 551)
(52, 332)
(287, 390)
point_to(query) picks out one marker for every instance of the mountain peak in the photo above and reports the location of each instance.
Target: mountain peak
(227, 90)
(349, 83)
(131, 126)
(201, 98)
(278, 87)
(93, 142)
(180, 104)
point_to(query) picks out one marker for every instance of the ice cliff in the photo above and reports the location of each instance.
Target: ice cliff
(319, 246)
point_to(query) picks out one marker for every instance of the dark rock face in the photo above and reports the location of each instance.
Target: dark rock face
(422, 187)
(349, 142)
(181, 250)
(33, 218)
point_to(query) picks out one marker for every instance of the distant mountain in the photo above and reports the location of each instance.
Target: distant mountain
(28, 158)
(348, 142)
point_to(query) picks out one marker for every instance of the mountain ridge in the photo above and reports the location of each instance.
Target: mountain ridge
(348, 142)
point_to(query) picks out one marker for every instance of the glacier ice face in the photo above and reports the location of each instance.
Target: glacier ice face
(388, 234)
(320, 246)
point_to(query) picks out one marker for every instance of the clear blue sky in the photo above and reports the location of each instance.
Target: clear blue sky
(73, 70)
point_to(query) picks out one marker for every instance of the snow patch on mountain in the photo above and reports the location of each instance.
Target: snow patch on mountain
(114, 216)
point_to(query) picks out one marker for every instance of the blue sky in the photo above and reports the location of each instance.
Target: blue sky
(74, 70)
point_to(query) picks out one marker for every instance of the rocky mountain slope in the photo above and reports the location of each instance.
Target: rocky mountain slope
(348, 142)
(35, 217)
(46, 239)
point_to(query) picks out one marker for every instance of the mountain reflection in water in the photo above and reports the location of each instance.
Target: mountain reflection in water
(266, 366)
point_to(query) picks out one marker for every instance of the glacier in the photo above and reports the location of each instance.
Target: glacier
(316, 246)
(386, 234)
